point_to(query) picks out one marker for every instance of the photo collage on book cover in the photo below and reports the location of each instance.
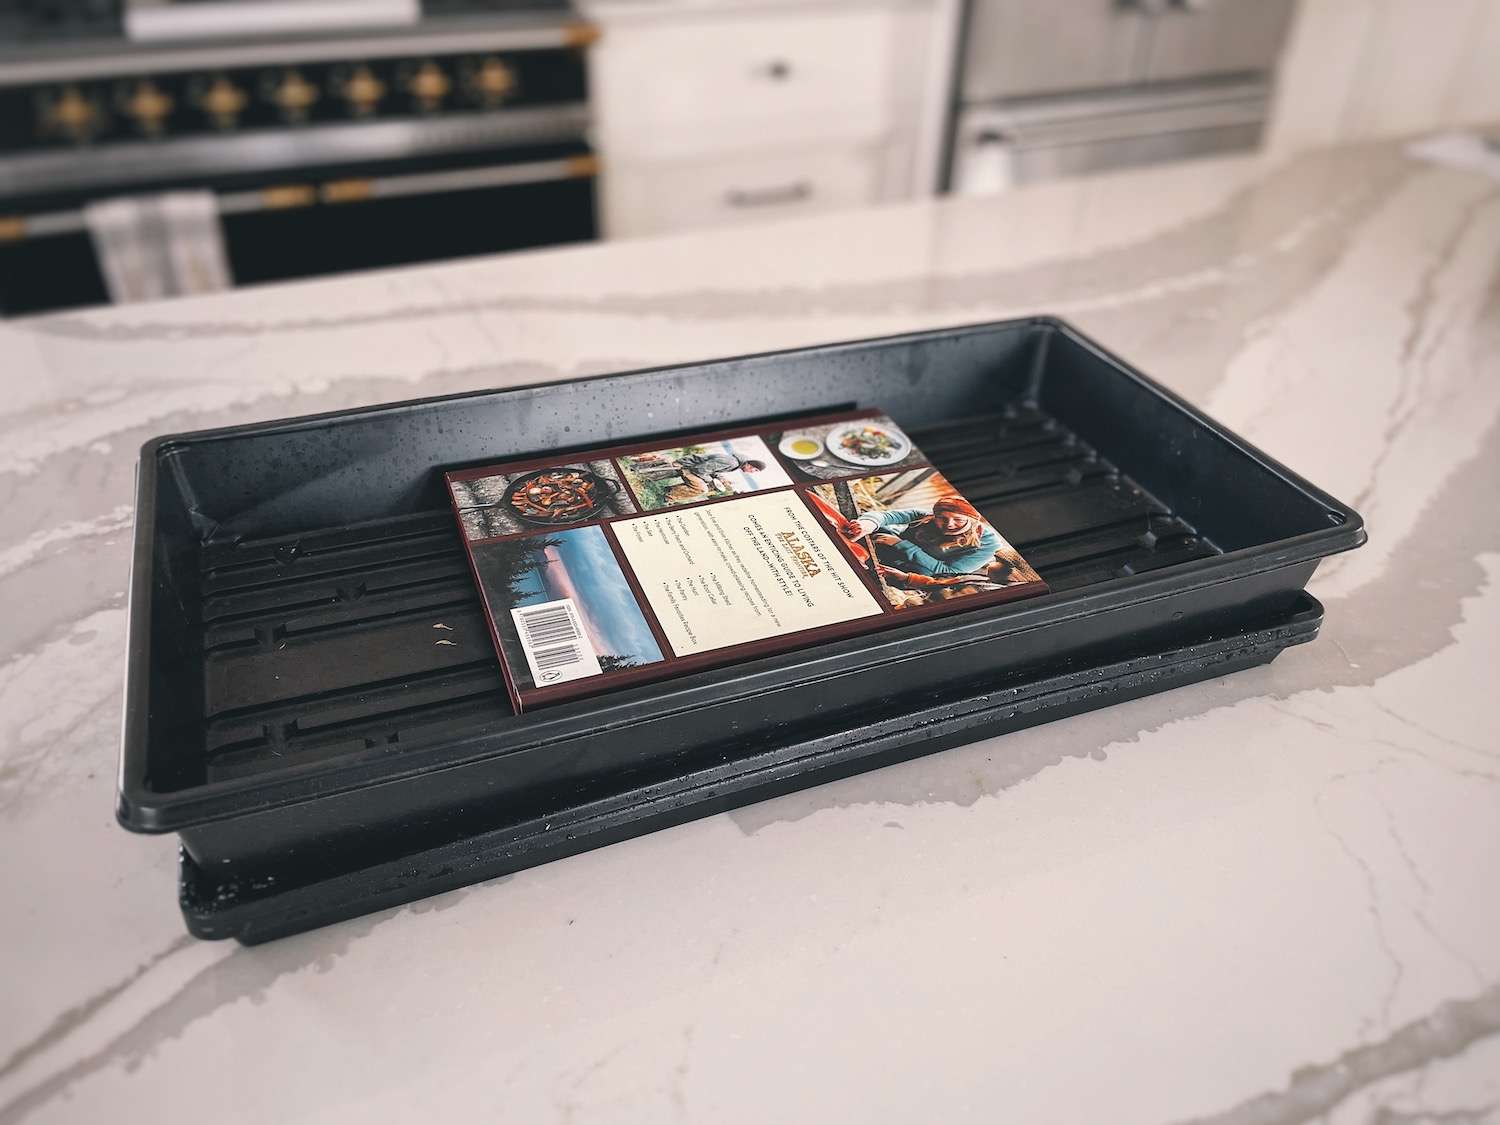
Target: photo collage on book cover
(725, 541)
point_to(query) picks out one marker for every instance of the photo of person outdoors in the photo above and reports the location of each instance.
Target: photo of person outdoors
(920, 539)
(685, 475)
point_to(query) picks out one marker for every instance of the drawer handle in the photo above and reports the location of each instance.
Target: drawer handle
(769, 197)
(777, 70)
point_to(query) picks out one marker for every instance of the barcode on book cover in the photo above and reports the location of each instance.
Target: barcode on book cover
(556, 647)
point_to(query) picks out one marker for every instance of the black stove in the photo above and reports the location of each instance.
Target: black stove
(464, 132)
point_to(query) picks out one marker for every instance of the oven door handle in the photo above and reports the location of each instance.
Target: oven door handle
(282, 197)
(409, 184)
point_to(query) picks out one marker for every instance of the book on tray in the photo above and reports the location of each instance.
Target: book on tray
(632, 563)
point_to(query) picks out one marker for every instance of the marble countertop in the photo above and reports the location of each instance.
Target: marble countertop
(1268, 898)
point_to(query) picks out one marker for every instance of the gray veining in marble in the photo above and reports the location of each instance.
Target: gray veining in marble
(1263, 899)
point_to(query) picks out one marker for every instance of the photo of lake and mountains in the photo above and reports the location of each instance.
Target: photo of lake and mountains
(561, 607)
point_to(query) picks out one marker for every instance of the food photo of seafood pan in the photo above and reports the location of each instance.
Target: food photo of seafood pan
(552, 496)
(844, 449)
(557, 496)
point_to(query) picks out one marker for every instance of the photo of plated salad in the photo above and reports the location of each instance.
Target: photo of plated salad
(868, 444)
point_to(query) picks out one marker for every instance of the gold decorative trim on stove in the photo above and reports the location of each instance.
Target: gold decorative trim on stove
(491, 82)
(292, 94)
(72, 115)
(428, 85)
(223, 101)
(347, 191)
(581, 34)
(586, 164)
(361, 89)
(288, 196)
(148, 106)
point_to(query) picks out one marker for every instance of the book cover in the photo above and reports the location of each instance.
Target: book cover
(634, 563)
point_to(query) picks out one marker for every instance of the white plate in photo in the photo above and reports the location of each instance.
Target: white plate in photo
(869, 444)
(800, 446)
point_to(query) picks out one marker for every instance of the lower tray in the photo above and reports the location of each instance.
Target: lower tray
(260, 908)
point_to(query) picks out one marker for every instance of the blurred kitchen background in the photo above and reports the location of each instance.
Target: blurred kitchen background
(150, 148)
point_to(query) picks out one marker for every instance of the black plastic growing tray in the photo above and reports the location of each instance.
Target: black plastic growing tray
(289, 713)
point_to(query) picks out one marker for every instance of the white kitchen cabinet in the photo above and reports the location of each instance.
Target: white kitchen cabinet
(723, 115)
(663, 196)
(699, 84)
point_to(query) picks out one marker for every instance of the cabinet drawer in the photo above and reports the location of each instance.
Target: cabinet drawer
(655, 198)
(694, 84)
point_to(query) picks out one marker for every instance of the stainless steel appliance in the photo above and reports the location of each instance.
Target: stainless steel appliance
(1070, 86)
(464, 134)
(162, 20)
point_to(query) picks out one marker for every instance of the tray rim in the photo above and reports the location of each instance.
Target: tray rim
(139, 808)
(557, 831)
